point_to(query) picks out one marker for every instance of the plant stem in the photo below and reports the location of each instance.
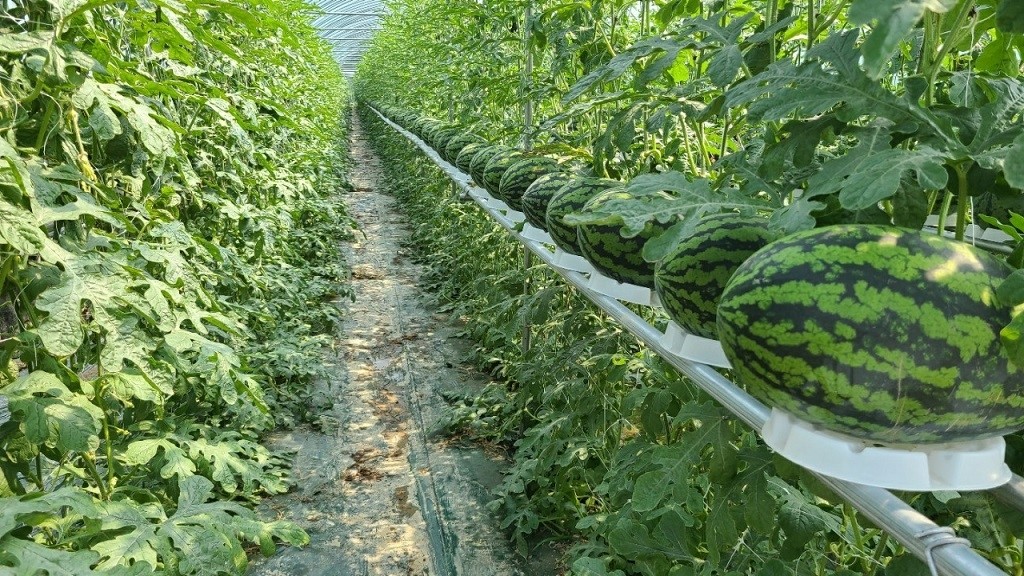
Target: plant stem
(811, 16)
(880, 550)
(956, 33)
(44, 126)
(90, 466)
(961, 201)
(947, 201)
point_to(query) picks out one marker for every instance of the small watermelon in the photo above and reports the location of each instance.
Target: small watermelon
(465, 157)
(480, 160)
(535, 199)
(496, 168)
(885, 334)
(456, 144)
(612, 254)
(691, 278)
(520, 175)
(572, 198)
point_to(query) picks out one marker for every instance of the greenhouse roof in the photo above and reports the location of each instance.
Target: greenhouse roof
(348, 26)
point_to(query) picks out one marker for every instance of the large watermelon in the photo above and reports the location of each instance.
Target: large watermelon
(572, 198)
(691, 279)
(520, 175)
(612, 254)
(466, 155)
(456, 144)
(886, 334)
(496, 168)
(535, 199)
(480, 160)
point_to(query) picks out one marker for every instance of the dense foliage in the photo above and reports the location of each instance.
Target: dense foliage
(806, 114)
(168, 257)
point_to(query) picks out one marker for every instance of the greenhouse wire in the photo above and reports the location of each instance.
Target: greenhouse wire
(937, 546)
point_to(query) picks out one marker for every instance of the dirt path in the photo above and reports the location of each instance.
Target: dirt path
(376, 493)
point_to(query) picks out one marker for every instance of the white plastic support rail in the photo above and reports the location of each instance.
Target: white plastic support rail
(935, 545)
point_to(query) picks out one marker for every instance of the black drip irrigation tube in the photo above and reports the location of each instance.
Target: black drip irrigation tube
(938, 546)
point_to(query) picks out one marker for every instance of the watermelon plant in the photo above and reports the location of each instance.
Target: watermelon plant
(168, 261)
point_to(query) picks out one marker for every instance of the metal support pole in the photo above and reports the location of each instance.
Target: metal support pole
(527, 144)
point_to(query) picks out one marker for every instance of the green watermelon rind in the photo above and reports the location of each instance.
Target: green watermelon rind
(466, 155)
(611, 253)
(572, 198)
(480, 160)
(690, 280)
(455, 145)
(885, 334)
(535, 199)
(496, 168)
(520, 175)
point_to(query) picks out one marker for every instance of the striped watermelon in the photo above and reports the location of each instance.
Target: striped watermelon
(480, 160)
(441, 137)
(496, 168)
(612, 254)
(467, 154)
(572, 197)
(690, 280)
(535, 199)
(417, 125)
(456, 144)
(520, 175)
(425, 127)
(886, 334)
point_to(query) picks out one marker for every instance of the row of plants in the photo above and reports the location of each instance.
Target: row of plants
(169, 261)
(787, 118)
(487, 414)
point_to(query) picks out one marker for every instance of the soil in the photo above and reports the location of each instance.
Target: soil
(376, 491)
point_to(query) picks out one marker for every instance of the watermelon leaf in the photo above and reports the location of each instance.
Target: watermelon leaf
(1011, 291)
(873, 171)
(892, 20)
(1010, 16)
(1012, 337)
(664, 197)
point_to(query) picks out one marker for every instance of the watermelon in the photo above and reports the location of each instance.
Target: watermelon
(441, 138)
(690, 279)
(535, 199)
(612, 254)
(496, 168)
(456, 144)
(885, 334)
(520, 175)
(420, 126)
(465, 157)
(480, 160)
(572, 198)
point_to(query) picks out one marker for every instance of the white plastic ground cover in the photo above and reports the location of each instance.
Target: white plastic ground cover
(952, 556)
